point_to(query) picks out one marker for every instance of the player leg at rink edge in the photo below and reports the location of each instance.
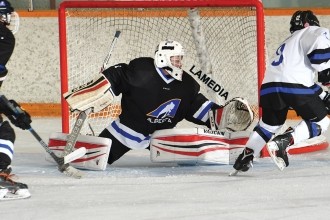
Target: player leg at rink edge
(9, 189)
(156, 94)
(297, 90)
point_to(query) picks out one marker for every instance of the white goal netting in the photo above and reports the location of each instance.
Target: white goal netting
(233, 38)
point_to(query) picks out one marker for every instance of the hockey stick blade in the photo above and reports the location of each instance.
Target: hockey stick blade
(59, 160)
(62, 167)
(80, 152)
(71, 171)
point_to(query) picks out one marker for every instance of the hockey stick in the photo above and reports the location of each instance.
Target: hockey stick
(199, 39)
(206, 66)
(61, 161)
(200, 44)
(73, 136)
(238, 119)
(113, 43)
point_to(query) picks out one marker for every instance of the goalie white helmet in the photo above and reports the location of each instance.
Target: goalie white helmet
(169, 56)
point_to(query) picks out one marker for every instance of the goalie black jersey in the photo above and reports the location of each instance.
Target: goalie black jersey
(152, 100)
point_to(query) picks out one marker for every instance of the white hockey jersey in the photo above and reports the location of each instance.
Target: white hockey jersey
(300, 56)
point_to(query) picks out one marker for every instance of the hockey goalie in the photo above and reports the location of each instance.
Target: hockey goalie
(156, 95)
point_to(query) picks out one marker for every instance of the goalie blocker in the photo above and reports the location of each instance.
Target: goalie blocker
(95, 94)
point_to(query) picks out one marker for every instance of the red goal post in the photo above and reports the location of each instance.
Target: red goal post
(232, 44)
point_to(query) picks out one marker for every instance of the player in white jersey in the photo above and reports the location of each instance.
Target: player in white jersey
(289, 83)
(8, 188)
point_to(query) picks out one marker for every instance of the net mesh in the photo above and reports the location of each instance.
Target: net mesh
(230, 37)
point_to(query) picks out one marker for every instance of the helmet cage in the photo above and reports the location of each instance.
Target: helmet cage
(5, 12)
(5, 18)
(164, 51)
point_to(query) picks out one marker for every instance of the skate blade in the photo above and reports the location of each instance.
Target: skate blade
(279, 162)
(234, 173)
(19, 194)
(3, 192)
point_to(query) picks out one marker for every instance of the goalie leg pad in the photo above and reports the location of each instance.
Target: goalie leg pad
(95, 94)
(194, 146)
(96, 157)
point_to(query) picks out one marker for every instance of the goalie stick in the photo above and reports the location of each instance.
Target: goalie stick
(61, 161)
(206, 66)
(201, 49)
(113, 43)
(73, 136)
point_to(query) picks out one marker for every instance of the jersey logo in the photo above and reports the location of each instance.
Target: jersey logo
(167, 109)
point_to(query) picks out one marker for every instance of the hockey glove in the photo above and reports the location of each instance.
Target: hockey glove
(326, 101)
(22, 119)
(324, 77)
(95, 94)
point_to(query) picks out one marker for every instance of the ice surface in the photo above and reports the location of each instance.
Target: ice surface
(135, 188)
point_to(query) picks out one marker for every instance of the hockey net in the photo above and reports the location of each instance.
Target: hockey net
(223, 41)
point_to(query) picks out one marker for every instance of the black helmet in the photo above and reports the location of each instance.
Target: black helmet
(300, 18)
(5, 11)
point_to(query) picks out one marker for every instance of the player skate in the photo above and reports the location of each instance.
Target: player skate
(244, 161)
(10, 189)
(277, 149)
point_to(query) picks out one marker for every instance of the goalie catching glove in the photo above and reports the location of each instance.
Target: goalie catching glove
(235, 115)
(95, 94)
